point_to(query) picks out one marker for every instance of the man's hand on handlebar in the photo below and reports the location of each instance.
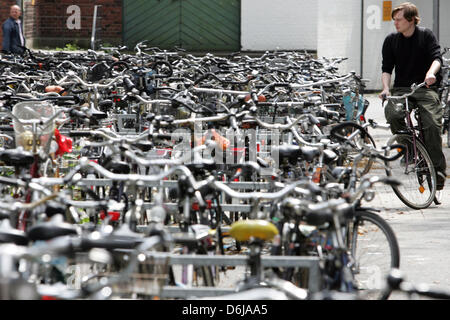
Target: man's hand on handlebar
(385, 93)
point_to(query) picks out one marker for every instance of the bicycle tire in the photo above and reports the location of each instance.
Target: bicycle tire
(374, 246)
(418, 180)
(365, 164)
(447, 123)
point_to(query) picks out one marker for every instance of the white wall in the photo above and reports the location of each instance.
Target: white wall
(332, 27)
(375, 31)
(444, 23)
(278, 24)
(339, 32)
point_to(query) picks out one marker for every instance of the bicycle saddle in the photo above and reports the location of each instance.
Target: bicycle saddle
(166, 117)
(9, 234)
(290, 207)
(118, 167)
(143, 146)
(309, 153)
(329, 156)
(289, 152)
(205, 164)
(15, 157)
(52, 208)
(245, 230)
(321, 121)
(98, 115)
(340, 172)
(315, 217)
(56, 227)
(105, 104)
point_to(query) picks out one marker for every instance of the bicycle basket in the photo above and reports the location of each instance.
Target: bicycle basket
(29, 115)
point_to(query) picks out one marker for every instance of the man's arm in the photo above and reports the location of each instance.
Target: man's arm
(6, 45)
(387, 65)
(386, 82)
(430, 77)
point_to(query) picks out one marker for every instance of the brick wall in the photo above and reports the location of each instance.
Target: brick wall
(46, 22)
(4, 13)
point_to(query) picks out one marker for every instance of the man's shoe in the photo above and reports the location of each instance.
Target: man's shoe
(438, 197)
(440, 180)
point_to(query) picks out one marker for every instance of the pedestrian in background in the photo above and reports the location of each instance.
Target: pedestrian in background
(13, 38)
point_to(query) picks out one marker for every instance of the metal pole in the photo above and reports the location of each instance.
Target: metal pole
(436, 18)
(94, 28)
(362, 40)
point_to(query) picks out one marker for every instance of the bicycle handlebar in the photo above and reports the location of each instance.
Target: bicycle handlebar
(414, 87)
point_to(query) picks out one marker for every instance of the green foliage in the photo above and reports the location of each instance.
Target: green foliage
(69, 47)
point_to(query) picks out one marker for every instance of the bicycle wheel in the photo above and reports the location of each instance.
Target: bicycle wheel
(374, 247)
(348, 156)
(417, 175)
(448, 133)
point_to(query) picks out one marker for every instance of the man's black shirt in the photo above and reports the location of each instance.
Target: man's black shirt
(412, 57)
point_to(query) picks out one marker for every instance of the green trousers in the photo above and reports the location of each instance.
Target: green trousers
(431, 113)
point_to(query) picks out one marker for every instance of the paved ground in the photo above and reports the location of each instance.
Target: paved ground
(423, 235)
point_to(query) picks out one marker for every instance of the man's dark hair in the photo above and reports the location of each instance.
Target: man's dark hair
(410, 12)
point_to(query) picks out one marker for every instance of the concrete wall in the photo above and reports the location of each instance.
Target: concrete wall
(279, 24)
(444, 23)
(340, 26)
(339, 32)
(376, 30)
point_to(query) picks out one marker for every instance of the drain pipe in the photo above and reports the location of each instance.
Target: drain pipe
(436, 18)
(362, 40)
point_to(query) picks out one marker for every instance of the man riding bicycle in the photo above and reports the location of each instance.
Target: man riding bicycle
(415, 54)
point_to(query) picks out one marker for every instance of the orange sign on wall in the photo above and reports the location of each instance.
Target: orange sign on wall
(387, 10)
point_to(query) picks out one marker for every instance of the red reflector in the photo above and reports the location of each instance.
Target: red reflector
(160, 152)
(114, 215)
(195, 206)
(238, 150)
(361, 117)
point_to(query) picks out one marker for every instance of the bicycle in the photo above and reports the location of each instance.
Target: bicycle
(415, 170)
(444, 95)
(396, 282)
